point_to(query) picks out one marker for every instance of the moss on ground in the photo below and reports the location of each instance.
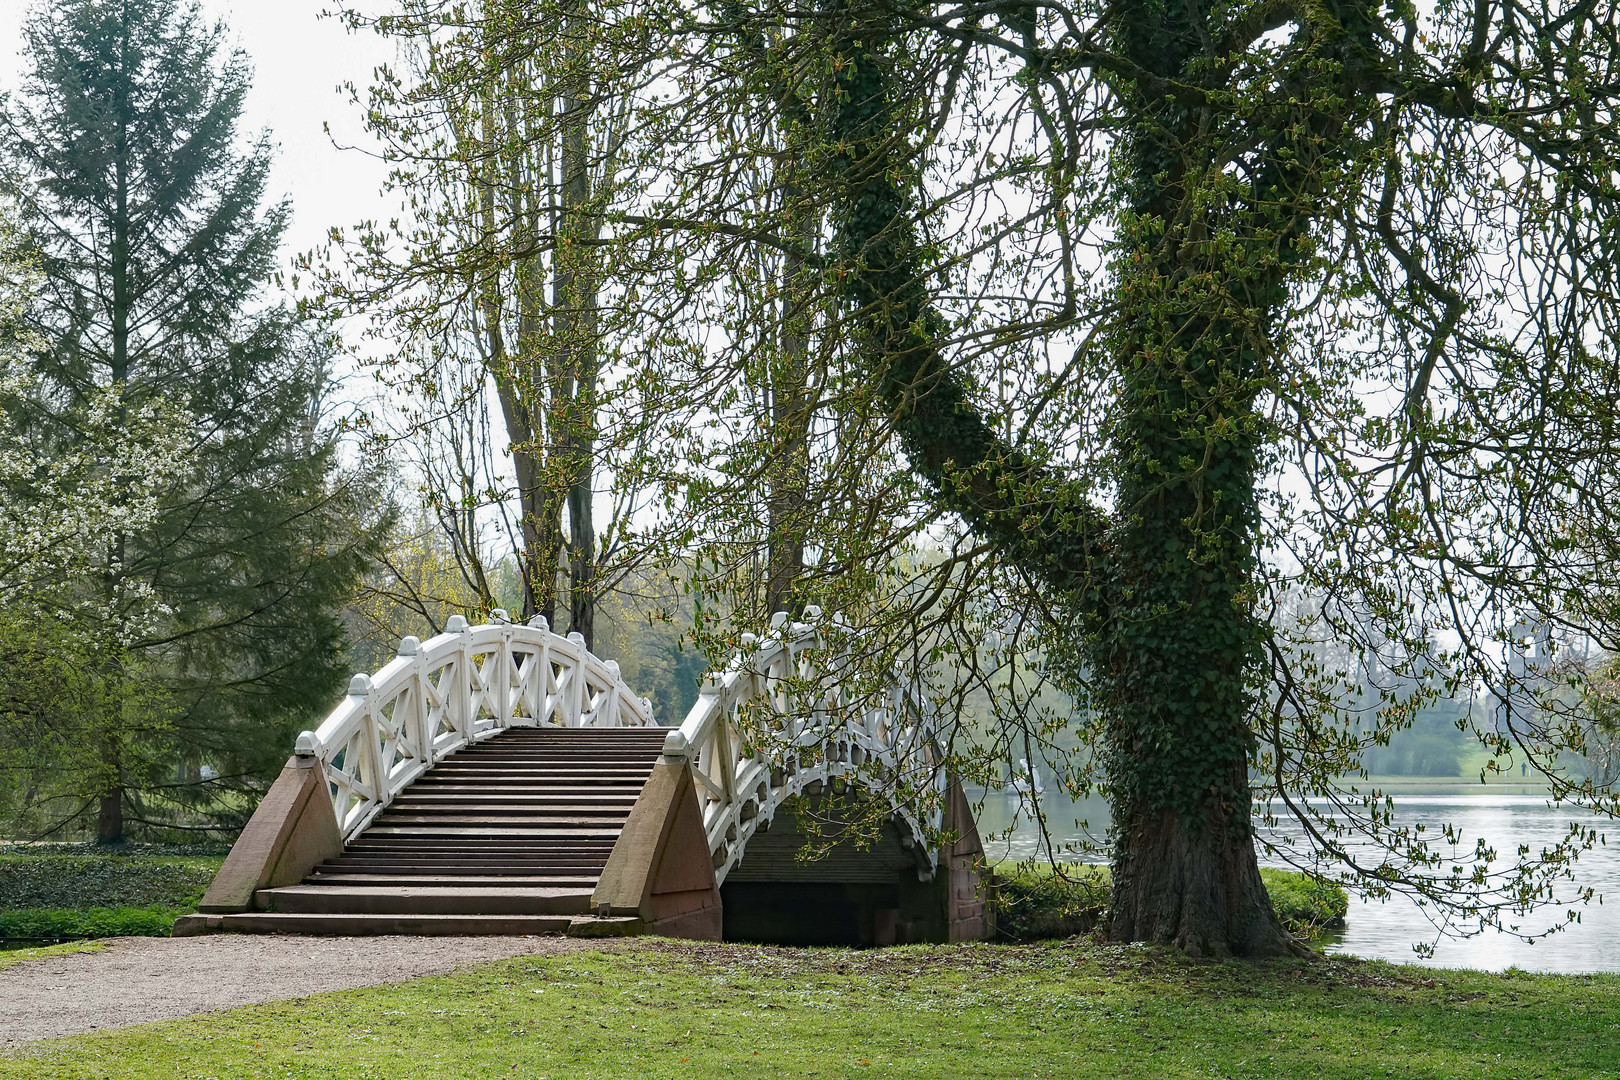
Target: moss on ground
(1035, 901)
(55, 894)
(1068, 1009)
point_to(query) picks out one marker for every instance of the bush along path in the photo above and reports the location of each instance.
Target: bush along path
(64, 892)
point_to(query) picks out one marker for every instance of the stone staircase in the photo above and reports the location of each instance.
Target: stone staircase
(508, 836)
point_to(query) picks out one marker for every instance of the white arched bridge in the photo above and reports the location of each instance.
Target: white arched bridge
(502, 779)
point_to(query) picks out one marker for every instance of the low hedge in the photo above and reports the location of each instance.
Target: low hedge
(72, 924)
(1305, 905)
(60, 897)
(73, 881)
(1033, 901)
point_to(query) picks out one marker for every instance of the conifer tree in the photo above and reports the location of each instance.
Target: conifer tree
(148, 209)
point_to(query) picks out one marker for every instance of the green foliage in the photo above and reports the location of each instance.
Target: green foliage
(1033, 901)
(145, 203)
(103, 881)
(61, 897)
(73, 924)
(1304, 904)
(674, 1011)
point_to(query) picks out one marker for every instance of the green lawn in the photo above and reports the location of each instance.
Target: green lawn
(16, 954)
(1056, 1010)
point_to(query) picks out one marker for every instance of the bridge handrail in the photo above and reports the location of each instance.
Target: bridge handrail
(740, 789)
(456, 688)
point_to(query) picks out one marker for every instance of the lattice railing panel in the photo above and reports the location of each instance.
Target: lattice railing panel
(462, 686)
(472, 682)
(805, 686)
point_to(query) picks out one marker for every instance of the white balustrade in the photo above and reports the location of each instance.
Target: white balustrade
(459, 687)
(782, 715)
(812, 728)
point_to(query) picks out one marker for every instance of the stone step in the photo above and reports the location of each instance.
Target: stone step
(592, 861)
(450, 767)
(459, 878)
(583, 755)
(471, 873)
(609, 833)
(429, 847)
(425, 900)
(483, 800)
(499, 821)
(515, 828)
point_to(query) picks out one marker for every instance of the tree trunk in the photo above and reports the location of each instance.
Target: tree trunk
(1195, 885)
(1164, 584)
(520, 380)
(110, 818)
(788, 476)
(577, 276)
(1173, 639)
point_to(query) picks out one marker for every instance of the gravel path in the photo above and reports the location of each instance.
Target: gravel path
(140, 980)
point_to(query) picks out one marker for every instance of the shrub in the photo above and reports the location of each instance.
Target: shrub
(68, 924)
(59, 897)
(1305, 906)
(1034, 901)
(71, 881)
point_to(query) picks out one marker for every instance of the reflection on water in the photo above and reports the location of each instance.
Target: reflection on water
(1388, 930)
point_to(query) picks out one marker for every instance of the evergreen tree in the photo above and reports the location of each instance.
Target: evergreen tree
(156, 246)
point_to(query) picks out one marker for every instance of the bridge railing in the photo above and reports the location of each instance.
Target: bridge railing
(456, 688)
(798, 699)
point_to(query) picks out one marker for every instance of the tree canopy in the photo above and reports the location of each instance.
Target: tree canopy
(147, 208)
(1214, 362)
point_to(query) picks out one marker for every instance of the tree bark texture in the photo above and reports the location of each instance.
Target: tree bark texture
(788, 475)
(110, 818)
(578, 329)
(1162, 584)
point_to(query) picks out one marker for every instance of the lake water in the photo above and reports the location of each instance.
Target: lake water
(1388, 930)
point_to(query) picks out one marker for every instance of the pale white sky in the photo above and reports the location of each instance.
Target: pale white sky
(299, 59)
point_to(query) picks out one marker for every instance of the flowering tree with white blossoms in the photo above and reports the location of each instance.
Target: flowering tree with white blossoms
(69, 700)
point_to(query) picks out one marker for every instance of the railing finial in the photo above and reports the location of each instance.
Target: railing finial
(360, 686)
(675, 746)
(307, 745)
(408, 645)
(455, 624)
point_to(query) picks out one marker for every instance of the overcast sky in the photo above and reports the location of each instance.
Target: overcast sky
(299, 59)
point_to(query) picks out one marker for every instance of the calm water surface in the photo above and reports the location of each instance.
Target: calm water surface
(1388, 930)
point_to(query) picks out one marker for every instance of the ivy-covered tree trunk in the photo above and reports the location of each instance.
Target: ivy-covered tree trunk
(1173, 641)
(1161, 586)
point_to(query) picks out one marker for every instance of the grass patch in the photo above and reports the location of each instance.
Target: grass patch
(1034, 902)
(16, 954)
(47, 896)
(1069, 1009)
